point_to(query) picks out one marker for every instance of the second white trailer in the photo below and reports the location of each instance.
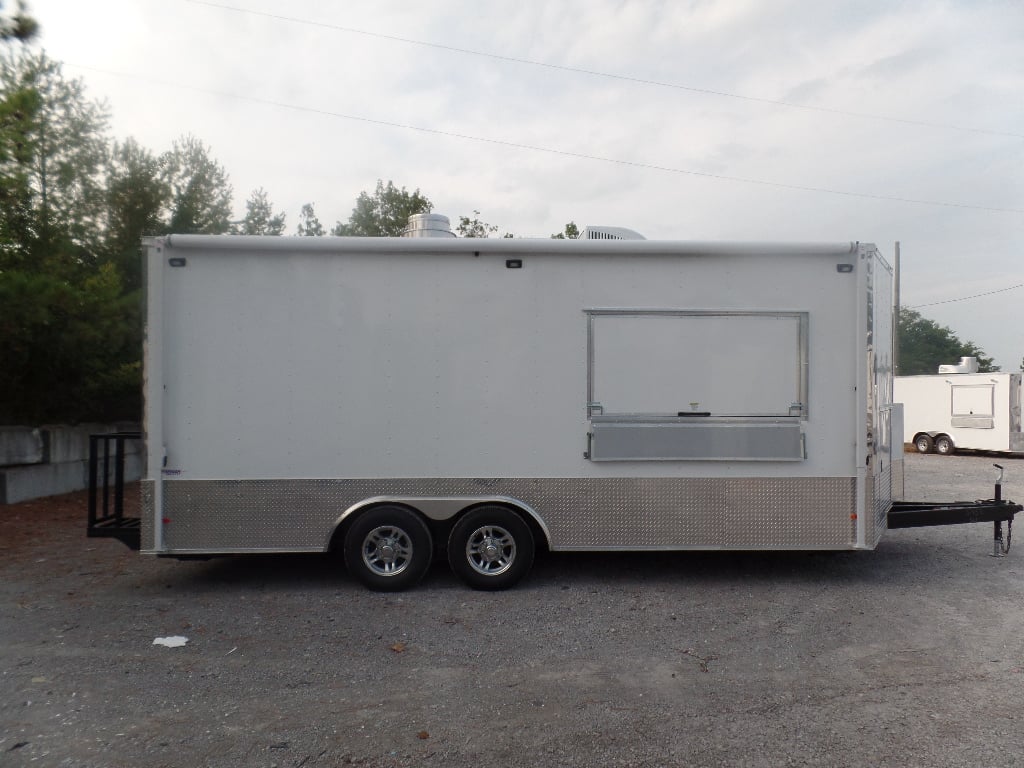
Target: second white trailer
(954, 411)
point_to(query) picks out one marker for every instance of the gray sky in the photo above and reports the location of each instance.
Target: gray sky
(886, 102)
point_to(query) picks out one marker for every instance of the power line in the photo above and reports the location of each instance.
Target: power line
(967, 298)
(549, 150)
(607, 75)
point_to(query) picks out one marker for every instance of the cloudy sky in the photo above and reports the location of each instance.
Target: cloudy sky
(870, 120)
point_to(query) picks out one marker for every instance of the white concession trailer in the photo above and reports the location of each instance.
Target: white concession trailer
(397, 398)
(961, 409)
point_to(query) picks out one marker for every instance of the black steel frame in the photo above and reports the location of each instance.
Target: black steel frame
(916, 514)
(108, 520)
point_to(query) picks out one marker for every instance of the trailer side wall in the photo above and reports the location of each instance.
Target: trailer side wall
(288, 383)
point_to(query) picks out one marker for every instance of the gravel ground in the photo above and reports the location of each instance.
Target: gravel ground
(911, 655)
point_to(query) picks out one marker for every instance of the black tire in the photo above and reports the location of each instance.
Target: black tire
(924, 443)
(491, 548)
(944, 445)
(388, 548)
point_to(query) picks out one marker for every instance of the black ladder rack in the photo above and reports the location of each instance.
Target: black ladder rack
(107, 520)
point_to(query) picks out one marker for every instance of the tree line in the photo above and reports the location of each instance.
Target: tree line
(75, 205)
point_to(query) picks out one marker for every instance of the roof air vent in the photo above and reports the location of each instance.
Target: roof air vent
(966, 365)
(591, 232)
(428, 225)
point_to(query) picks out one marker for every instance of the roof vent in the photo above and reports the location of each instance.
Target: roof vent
(609, 233)
(428, 225)
(966, 365)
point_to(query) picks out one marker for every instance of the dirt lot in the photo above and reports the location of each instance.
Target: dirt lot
(911, 655)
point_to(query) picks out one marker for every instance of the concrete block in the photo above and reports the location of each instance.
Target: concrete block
(63, 462)
(36, 480)
(71, 443)
(21, 445)
(33, 481)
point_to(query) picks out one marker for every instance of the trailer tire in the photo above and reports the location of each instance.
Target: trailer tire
(491, 548)
(924, 443)
(388, 548)
(944, 445)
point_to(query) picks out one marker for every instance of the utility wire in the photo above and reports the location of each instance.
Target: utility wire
(607, 75)
(967, 298)
(549, 150)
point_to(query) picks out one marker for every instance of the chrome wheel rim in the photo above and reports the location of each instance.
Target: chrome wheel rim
(387, 550)
(490, 550)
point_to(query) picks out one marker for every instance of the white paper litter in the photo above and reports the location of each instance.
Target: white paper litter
(176, 641)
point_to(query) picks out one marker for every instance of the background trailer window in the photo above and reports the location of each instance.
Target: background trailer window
(972, 406)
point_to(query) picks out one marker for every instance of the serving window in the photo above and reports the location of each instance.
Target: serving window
(677, 384)
(972, 406)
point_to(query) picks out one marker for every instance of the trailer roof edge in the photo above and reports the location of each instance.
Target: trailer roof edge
(477, 246)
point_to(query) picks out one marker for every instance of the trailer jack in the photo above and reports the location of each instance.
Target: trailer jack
(998, 548)
(915, 514)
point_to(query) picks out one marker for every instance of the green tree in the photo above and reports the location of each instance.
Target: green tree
(19, 26)
(385, 213)
(924, 345)
(474, 227)
(69, 329)
(70, 348)
(309, 224)
(53, 154)
(260, 218)
(17, 215)
(136, 196)
(571, 232)
(200, 191)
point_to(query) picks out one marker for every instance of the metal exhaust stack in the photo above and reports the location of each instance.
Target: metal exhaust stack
(428, 225)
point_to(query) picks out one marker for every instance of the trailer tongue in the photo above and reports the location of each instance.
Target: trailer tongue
(918, 514)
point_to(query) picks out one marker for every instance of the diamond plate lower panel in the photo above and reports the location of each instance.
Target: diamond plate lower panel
(147, 540)
(878, 502)
(580, 513)
(898, 479)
